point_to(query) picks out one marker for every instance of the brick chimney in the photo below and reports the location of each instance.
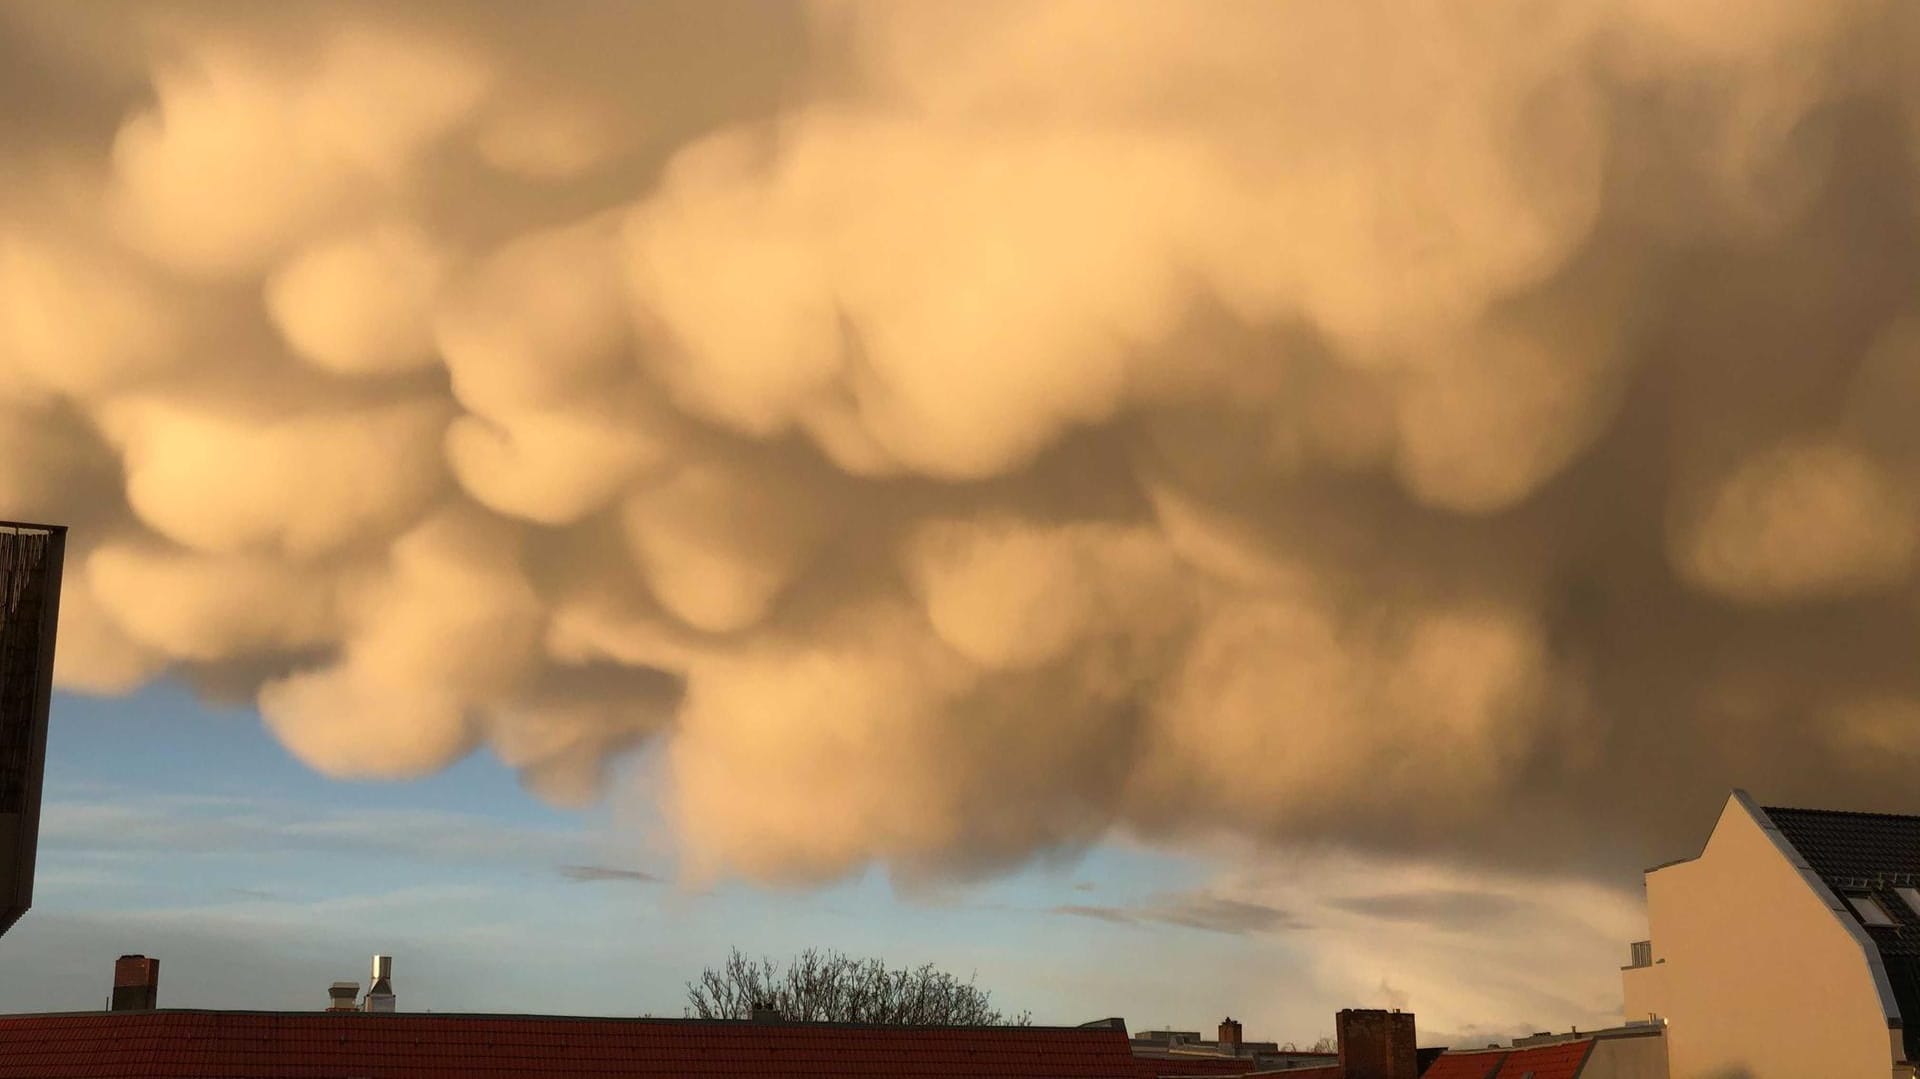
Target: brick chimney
(1376, 1044)
(136, 984)
(1230, 1035)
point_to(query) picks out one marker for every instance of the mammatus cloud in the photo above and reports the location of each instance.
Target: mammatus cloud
(952, 435)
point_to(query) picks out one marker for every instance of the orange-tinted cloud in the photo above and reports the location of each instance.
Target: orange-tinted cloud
(957, 432)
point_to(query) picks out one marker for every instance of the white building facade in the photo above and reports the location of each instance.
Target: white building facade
(1787, 949)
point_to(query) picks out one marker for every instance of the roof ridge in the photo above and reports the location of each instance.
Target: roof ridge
(1770, 810)
(537, 1017)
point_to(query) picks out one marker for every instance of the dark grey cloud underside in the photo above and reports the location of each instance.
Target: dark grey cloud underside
(1192, 910)
(596, 873)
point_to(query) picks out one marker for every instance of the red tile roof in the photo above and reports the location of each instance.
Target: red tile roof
(1475, 1064)
(314, 1045)
(1561, 1061)
(1154, 1067)
(1165, 1068)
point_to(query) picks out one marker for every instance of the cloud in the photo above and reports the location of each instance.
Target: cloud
(120, 823)
(1803, 521)
(1192, 910)
(1116, 915)
(597, 873)
(951, 454)
(1223, 915)
(1448, 909)
(1477, 954)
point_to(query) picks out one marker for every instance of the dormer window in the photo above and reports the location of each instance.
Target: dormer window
(1912, 898)
(1870, 910)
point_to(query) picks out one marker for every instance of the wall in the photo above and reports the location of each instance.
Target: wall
(1756, 977)
(1642, 1057)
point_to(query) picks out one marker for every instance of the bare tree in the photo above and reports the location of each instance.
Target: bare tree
(826, 986)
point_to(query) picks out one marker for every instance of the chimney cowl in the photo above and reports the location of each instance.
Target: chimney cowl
(343, 996)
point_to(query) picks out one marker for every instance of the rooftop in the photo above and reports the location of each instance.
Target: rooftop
(1161, 1068)
(194, 1044)
(1560, 1061)
(1873, 857)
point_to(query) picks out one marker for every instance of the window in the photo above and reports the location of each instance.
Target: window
(1912, 896)
(1870, 910)
(1640, 953)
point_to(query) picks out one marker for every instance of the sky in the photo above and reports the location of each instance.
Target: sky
(186, 832)
(1257, 508)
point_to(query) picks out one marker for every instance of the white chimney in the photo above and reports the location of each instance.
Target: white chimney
(340, 996)
(380, 993)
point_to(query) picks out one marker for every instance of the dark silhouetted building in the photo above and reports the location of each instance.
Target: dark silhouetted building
(1376, 1044)
(30, 560)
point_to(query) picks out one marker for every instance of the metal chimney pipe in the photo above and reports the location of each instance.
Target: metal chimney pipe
(380, 993)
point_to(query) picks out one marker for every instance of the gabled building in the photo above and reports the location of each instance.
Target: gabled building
(1788, 948)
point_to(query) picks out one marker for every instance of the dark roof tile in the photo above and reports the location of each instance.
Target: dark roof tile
(1475, 1064)
(1562, 1061)
(1151, 1067)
